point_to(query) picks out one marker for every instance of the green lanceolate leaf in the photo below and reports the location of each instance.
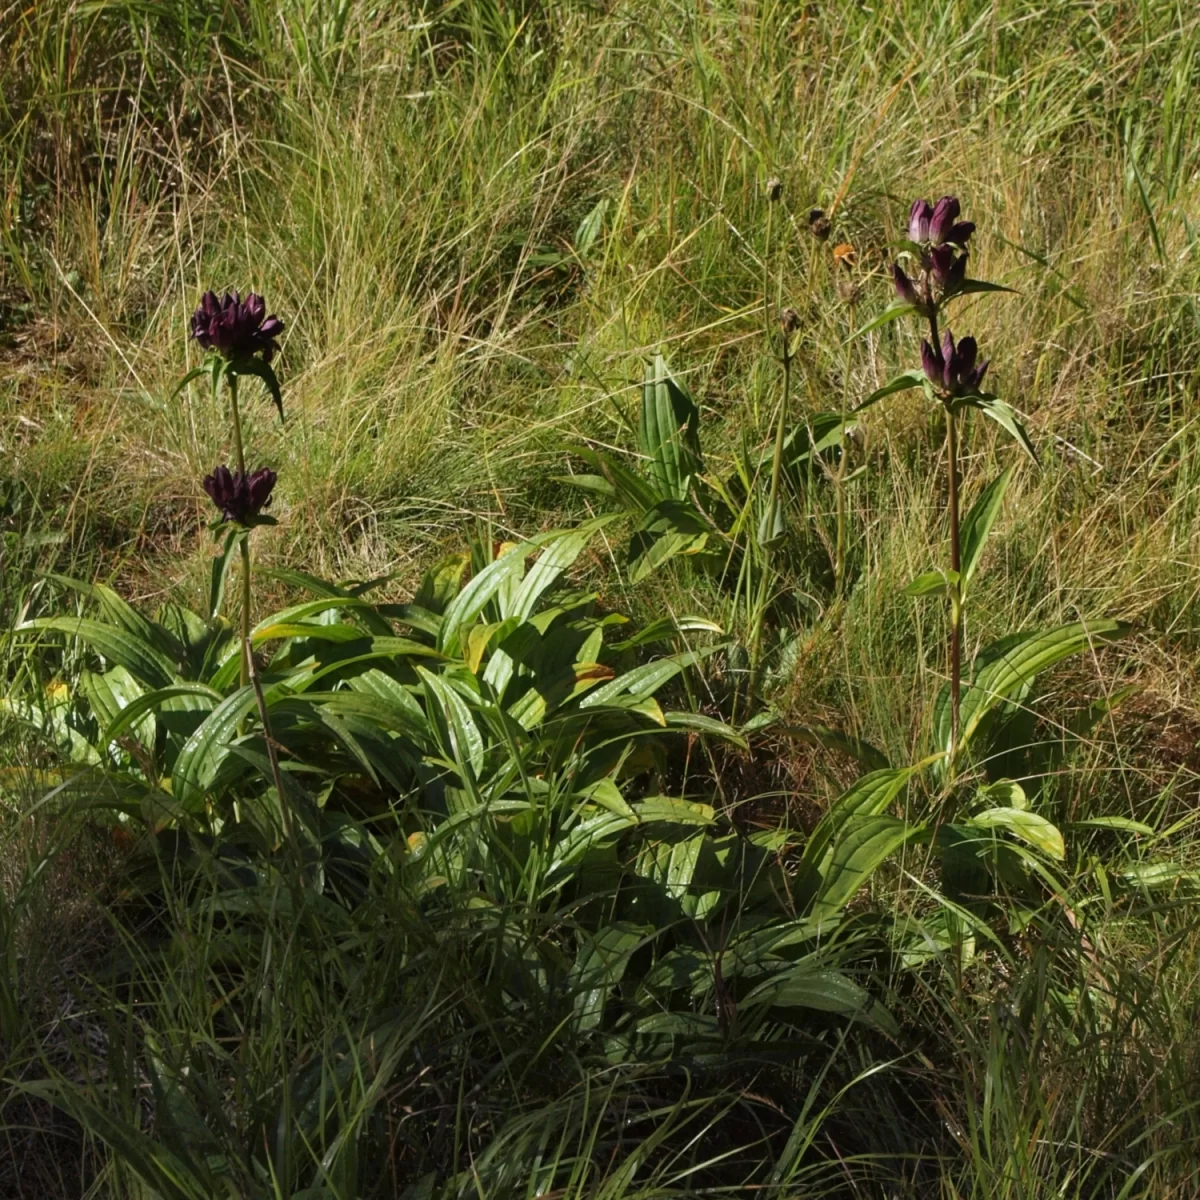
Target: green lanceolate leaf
(1004, 416)
(220, 570)
(971, 287)
(263, 371)
(834, 739)
(979, 522)
(866, 797)
(669, 430)
(902, 382)
(893, 312)
(636, 494)
(809, 986)
(1021, 662)
(456, 724)
(931, 583)
(204, 698)
(861, 845)
(645, 680)
(669, 529)
(464, 610)
(120, 647)
(120, 612)
(203, 752)
(1027, 826)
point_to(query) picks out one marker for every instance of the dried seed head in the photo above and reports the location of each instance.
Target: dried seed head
(774, 188)
(789, 321)
(819, 224)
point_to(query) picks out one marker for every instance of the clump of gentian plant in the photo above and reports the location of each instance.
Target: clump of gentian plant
(936, 253)
(241, 340)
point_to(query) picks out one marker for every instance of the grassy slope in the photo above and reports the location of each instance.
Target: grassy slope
(391, 190)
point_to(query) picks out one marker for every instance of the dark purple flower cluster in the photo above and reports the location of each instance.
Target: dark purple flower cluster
(952, 369)
(240, 497)
(941, 239)
(236, 328)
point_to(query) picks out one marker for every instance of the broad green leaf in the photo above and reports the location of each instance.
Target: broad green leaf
(930, 583)
(1027, 826)
(638, 495)
(465, 609)
(709, 726)
(669, 430)
(589, 228)
(673, 811)
(120, 647)
(1159, 874)
(866, 797)
(861, 844)
(809, 986)
(1004, 793)
(570, 849)
(441, 583)
(672, 527)
(120, 612)
(1023, 660)
(665, 628)
(902, 382)
(206, 698)
(599, 966)
(893, 312)
(645, 680)
(465, 741)
(206, 749)
(979, 522)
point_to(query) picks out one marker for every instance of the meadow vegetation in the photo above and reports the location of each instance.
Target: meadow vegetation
(582, 809)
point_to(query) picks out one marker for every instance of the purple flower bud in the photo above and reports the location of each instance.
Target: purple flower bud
(931, 363)
(941, 262)
(960, 234)
(240, 497)
(905, 288)
(919, 217)
(235, 328)
(945, 213)
(959, 374)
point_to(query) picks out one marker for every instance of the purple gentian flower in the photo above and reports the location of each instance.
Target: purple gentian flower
(240, 497)
(950, 368)
(919, 218)
(236, 328)
(905, 288)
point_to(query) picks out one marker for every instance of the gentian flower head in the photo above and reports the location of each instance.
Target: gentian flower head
(240, 497)
(236, 328)
(942, 240)
(952, 369)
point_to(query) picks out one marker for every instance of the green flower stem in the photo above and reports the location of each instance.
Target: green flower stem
(956, 585)
(955, 588)
(237, 423)
(245, 545)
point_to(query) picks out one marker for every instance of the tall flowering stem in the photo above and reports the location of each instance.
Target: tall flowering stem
(241, 340)
(937, 254)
